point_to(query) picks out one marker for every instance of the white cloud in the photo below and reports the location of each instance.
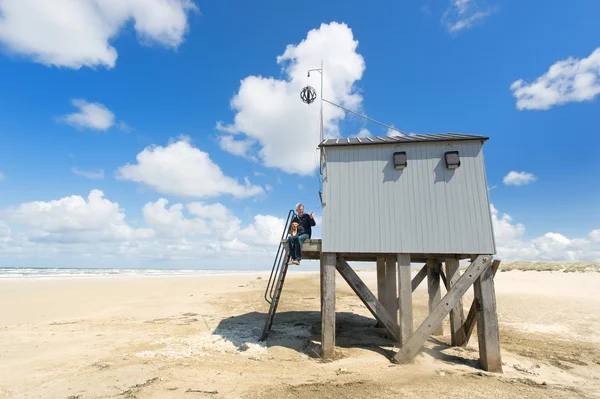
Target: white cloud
(504, 229)
(266, 231)
(364, 133)
(392, 133)
(463, 14)
(512, 245)
(76, 33)
(237, 147)
(570, 80)
(73, 219)
(90, 174)
(1, 176)
(183, 170)
(208, 235)
(269, 110)
(90, 115)
(217, 224)
(518, 178)
(171, 221)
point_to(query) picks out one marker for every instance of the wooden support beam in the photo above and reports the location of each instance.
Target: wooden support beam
(419, 277)
(367, 297)
(457, 314)
(391, 303)
(469, 323)
(441, 310)
(444, 280)
(488, 331)
(328, 266)
(433, 287)
(405, 298)
(381, 279)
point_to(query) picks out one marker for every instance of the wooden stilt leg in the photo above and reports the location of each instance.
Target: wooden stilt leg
(391, 303)
(367, 297)
(328, 267)
(405, 298)
(381, 296)
(435, 318)
(457, 314)
(433, 286)
(488, 331)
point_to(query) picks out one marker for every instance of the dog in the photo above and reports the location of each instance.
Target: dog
(294, 229)
(294, 233)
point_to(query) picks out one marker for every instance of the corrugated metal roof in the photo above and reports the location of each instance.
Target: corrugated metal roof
(413, 138)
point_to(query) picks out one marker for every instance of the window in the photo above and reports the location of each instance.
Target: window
(400, 160)
(452, 159)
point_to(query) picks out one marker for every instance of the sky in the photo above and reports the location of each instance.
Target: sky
(170, 133)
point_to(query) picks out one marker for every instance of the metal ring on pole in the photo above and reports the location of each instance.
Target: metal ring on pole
(308, 95)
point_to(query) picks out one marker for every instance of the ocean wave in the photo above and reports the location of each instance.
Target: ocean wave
(26, 272)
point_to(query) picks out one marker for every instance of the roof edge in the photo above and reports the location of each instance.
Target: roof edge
(387, 140)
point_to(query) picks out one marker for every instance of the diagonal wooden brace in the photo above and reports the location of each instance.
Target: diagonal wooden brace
(474, 309)
(441, 310)
(419, 278)
(367, 297)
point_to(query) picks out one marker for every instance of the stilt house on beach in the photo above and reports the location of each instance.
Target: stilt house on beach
(396, 201)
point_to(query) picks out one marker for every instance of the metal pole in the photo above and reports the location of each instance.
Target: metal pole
(321, 136)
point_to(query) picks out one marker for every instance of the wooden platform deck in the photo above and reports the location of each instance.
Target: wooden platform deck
(312, 250)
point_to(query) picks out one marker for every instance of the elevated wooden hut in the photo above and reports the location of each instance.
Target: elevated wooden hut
(400, 200)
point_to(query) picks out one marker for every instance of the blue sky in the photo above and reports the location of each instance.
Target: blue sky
(184, 117)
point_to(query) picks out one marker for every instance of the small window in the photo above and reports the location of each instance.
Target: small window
(452, 159)
(400, 160)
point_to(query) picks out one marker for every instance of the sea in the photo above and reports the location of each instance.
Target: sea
(41, 272)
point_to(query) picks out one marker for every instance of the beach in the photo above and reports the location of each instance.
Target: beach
(196, 336)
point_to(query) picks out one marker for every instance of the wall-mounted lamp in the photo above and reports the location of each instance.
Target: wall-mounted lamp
(400, 160)
(452, 159)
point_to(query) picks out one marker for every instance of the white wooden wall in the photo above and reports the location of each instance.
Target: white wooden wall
(425, 208)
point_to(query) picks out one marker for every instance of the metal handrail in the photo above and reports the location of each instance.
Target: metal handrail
(278, 259)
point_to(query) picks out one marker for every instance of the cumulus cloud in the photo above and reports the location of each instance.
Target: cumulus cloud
(184, 170)
(266, 230)
(213, 227)
(270, 113)
(393, 133)
(463, 14)
(90, 115)
(364, 133)
(75, 219)
(73, 34)
(518, 178)
(569, 80)
(207, 234)
(512, 245)
(237, 147)
(89, 174)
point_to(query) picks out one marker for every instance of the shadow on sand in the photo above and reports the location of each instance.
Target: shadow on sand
(301, 331)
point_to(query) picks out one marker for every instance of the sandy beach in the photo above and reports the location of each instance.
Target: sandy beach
(196, 337)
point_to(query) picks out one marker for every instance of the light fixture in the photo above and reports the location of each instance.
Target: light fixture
(452, 159)
(400, 160)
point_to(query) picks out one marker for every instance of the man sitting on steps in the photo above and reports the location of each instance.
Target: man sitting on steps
(305, 223)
